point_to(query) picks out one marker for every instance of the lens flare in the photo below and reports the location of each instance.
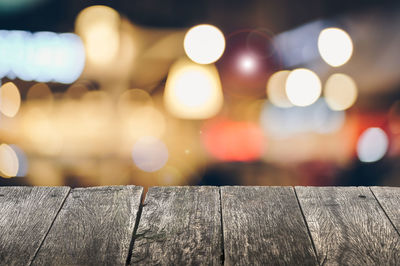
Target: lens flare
(303, 87)
(335, 46)
(247, 63)
(204, 44)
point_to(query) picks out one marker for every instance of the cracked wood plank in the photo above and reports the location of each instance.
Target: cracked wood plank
(264, 226)
(348, 226)
(389, 198)
(179, 226)
(26, 214)
(94, 227)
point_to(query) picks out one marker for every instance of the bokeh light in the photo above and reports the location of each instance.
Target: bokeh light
(77, 90)
(281, 123)
(340, 91)
(372, 145)
(247, 63)
(10, 99)
(150, 154)
(276, 92)
(394, 118)
(133, 99)
(22, 161)
(204, 44)
(68, 59)
(335, 46)
(228, 140)
(193, 91)
(303, 87)
(41, 56)
(99, 28)
(39, 91)
(40, 96)
(8, 161)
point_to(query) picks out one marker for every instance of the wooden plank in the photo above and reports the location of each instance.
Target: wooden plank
(264, 226)
(26, 214)
(348, 226)
(389, 198)
(179, 226)
(94, 227)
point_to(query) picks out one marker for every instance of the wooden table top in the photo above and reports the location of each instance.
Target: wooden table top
(200, 226)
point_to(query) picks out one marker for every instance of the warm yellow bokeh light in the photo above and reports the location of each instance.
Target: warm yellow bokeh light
(39, 92)
(10, 99)
(276, 89)
(335, 46)
(133, 99)
(99, 28)
(303, 87)
(193, 91)
(340, 92)
(8, 161)
(204, 44)
(138, 116)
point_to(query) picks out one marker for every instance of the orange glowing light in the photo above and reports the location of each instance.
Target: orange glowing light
(229, 140)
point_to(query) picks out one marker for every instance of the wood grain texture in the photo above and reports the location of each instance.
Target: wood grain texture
(26, 214)
(348, 226)
(264, 226)
(389, 198)
(179, 226)
(94, 227)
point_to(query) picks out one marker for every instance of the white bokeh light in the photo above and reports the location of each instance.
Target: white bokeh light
(204, 44)
(372, 145)
(150, 154)
(303, 87)
(335, 46)
(41, 56)
(8, 161)
(10, 99)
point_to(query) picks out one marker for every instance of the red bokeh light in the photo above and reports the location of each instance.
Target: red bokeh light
(229, 140)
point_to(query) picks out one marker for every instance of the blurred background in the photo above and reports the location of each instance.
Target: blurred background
(206, 92)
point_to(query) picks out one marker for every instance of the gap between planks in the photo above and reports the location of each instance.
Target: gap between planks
(308, 229)
(51, 225)
(222, 228)
(384, 211)
(135, 228)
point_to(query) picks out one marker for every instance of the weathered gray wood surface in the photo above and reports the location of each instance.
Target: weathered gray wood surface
(26, 214)
(94, 227)
(179, 226)
(389, 199)
(200, 226)
(264, 226)
(348, 226)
